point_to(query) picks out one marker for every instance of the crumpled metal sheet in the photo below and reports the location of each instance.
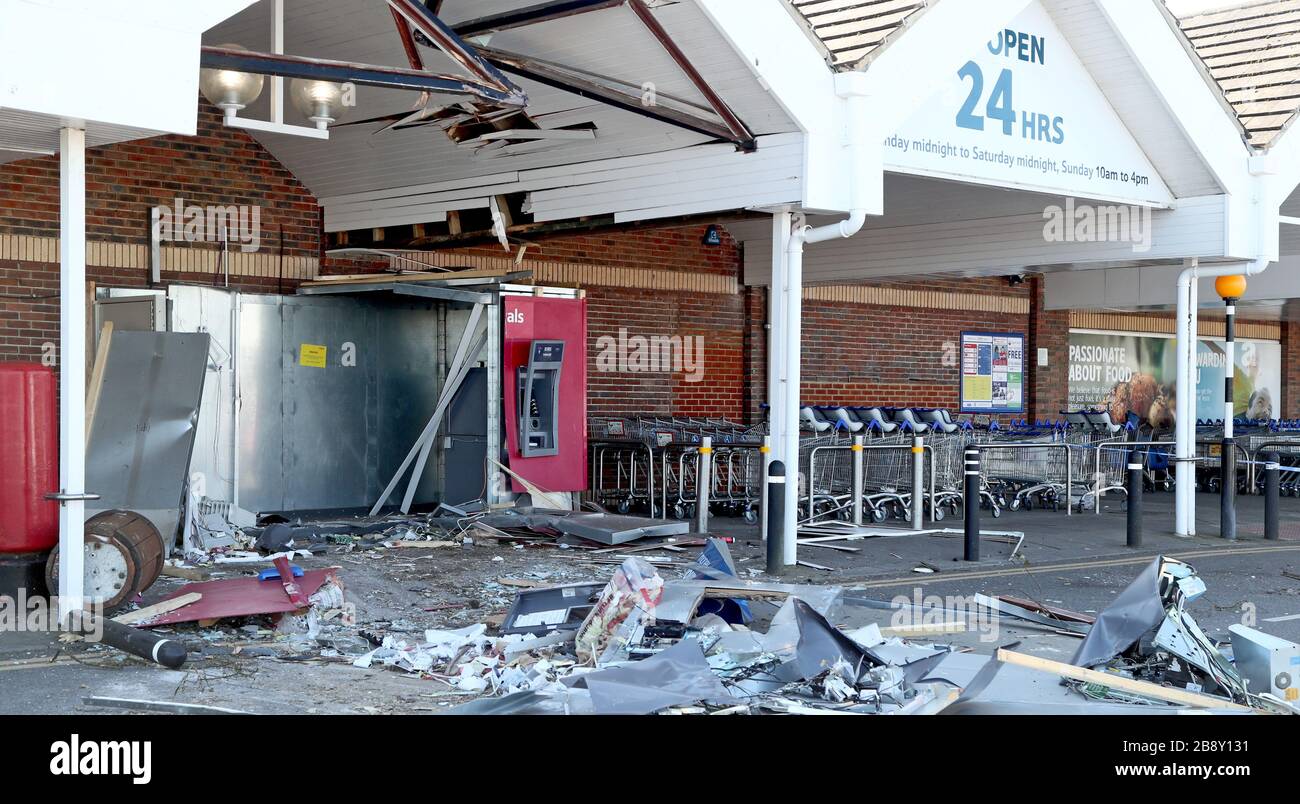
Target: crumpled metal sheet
(1137, 610)
(821, 645)
(782, 635)
(678, 676)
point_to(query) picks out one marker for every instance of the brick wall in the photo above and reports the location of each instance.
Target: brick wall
(219, 166)
(854, 353)
(883, 354)
(1050, 330)
(1290, 404)
(715, 321)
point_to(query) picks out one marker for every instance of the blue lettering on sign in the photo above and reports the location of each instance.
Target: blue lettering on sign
(1000, 105)
(1019, 45)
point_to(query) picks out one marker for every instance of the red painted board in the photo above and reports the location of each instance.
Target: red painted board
(290, 584)
(539, 318)
(241, 597)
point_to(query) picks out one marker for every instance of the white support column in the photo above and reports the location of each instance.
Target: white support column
(72, 367)
(781, 222)
(1185, 409)
(788, 414)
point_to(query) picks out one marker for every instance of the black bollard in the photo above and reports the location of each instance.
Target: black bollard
(1134, 499)
(972, 504)
(1228, 488)
(1272, 490)
(776, 518)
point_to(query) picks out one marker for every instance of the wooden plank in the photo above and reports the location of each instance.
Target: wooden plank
(96, 383)
(149, 612)
(188, 573)
(1123, 683)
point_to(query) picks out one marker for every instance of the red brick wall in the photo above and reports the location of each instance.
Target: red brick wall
(853, 353)
(1050, 330)
(1290, 404)
(879, 355)
(719, 319)
(219, 166)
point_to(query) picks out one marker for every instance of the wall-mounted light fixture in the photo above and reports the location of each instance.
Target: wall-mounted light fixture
(319, 101)
(230, 90)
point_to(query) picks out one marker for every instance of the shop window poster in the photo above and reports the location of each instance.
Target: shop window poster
(992, 372)
(1123, 372)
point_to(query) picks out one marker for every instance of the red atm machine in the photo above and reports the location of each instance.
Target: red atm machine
(544, 367)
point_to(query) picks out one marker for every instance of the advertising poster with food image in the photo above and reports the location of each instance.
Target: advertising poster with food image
(1123, 372)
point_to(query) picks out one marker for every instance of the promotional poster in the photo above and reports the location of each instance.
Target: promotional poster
(992, 372)
(1125, 372)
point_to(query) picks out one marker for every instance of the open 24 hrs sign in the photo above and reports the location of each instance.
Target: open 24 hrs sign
(1021, 110)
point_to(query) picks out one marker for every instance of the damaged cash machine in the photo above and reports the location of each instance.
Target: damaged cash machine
(545, 372)
(372, 392)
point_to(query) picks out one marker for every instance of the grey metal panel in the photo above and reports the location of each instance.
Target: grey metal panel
(134, 313)
(326, 414)
(261, 431)
(466, 416)
(331, 437)
(407, 334)
(139, 453)
(467, 429)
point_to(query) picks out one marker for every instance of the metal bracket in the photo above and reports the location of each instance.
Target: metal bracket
(62, 497)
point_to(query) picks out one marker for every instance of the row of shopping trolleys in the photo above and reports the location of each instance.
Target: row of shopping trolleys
(880, 420)
(651, 465)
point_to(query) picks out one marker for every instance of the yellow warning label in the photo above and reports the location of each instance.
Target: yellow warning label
(1293, 693)
(311, 355)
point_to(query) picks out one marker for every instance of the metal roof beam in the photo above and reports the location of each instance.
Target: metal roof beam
(543, 12)
(424, 20)
(740, 133)
(401, 289)
(363, 74)
(570, 80)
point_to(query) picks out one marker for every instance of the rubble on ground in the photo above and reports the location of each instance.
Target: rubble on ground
(673, 630)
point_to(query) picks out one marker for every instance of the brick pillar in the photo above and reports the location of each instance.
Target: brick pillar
(1050, 330)
(1289, 405)
(755, 353)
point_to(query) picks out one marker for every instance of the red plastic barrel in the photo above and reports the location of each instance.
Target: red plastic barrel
(29, 458)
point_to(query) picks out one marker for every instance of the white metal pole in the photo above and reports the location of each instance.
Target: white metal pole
(1189, 421)
(72, 368)
(788, 416)
(1184, 480)
(775, 348)
(781, 222)
(277, 46)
